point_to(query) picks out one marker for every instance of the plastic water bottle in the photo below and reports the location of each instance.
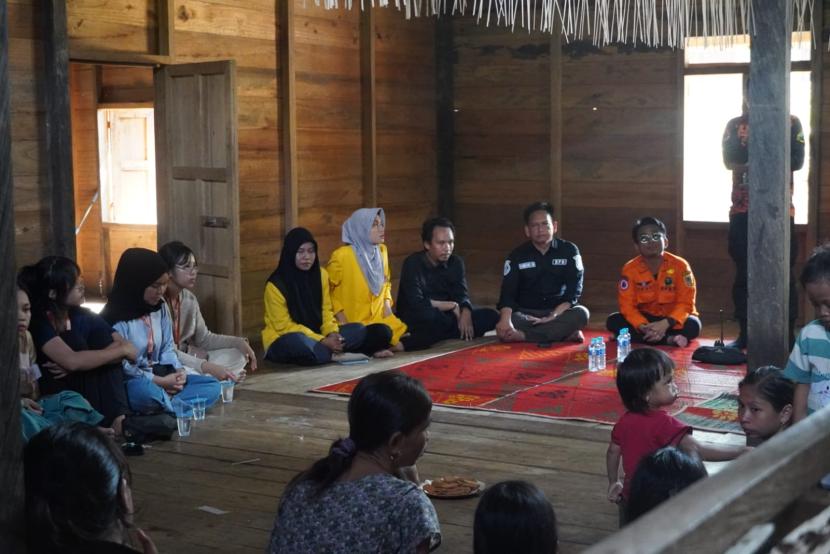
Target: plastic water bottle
(600, 354)
(623, 344)
(592, 355)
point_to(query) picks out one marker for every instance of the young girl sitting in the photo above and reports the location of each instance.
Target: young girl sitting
(76, 349)
(765, 404)
(137, 311)
(645, 383)
(515, 516)
(198, 349)
(55, 408)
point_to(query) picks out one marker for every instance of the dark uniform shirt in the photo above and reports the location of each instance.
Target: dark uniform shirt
(421, 282)
(736, 152)
(542, 281)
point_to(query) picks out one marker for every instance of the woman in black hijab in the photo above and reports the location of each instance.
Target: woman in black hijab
(299, 322)
(137, 311)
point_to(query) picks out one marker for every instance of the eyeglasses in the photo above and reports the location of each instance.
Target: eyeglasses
(188, 268)
(654, 237)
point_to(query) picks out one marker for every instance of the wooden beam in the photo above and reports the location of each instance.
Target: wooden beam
(11, 466)
(445, 115)
(138, 59)
(368, 107)
(769, 178)
(288, 111)
(166, 14)
(715, 512)
(58, 128)
(555, 184)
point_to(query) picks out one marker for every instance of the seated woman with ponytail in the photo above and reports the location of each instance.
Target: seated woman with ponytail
(300, 326)
(354, 500)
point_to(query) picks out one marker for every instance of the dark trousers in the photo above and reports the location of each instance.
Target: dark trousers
(571, 320)
(738, 251)
(616, 321)
(444, 326)
(301, 349)
(102, 387)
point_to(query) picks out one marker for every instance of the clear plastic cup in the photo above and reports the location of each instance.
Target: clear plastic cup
(184, 423)
(198, 405)
(184, 417)
(227, 391)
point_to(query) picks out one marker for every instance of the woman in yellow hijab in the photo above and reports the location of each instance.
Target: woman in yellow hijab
(361, 288)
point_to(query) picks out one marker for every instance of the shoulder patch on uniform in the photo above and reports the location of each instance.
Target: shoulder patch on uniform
(506, 267)
(578, 262)
(624, 284)
(689, 279)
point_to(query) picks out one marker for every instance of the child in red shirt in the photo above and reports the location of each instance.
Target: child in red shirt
(645, 383)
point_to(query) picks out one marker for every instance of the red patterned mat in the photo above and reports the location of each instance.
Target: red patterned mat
(552, 382)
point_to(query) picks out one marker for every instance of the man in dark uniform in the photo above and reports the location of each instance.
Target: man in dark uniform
(542, 284)
(736, 159)
(432, 296)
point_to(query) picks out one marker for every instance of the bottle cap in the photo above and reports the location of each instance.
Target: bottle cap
(624, 331)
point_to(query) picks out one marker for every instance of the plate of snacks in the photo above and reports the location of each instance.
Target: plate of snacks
(452, 486)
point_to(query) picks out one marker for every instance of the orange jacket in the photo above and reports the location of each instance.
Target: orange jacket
(671, 294)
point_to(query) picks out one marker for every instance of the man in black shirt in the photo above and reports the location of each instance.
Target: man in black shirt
(542, 284)
(432, 296)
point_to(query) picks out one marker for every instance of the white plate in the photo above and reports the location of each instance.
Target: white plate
(474, 492)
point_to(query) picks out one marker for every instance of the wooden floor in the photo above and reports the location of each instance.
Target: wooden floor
(239, 459)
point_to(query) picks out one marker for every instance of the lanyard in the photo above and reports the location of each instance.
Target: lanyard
(150, 341)
(176, 311)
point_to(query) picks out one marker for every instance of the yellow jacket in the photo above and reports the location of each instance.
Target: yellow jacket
(350, 293)
(278, 321)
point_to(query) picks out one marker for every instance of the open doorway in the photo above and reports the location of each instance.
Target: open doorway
(113, 147)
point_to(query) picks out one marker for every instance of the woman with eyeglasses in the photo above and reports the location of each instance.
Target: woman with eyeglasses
(656, 292)
(199, 350)
(137, 311)
(361, 282)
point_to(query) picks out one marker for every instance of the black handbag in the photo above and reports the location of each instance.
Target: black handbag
(721, 355)
(145, 428)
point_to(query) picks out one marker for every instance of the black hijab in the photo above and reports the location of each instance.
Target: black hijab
(302, 290)
(138, 268)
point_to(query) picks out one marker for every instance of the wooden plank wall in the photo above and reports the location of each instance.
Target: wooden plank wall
(406, 121)
(330, 172)
(329, 166)
(31, 187)
(502, 142)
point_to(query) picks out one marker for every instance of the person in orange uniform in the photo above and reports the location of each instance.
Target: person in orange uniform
(359, 276)
(657, 291)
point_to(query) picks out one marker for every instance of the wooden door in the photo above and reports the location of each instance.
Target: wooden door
(197, 180)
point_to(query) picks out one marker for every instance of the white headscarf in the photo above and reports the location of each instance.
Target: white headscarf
(356, 231)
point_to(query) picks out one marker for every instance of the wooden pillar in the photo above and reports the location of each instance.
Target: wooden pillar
(58, 128)
(166, 13)
(769, 178)
(11, 467)
(555, 190)
(445, 115)
(288, 111)
(368, 106)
